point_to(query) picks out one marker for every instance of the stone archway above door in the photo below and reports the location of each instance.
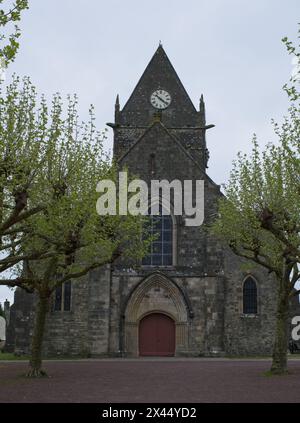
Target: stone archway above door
(155, 294)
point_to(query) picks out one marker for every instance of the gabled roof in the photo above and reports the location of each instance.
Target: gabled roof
(176, 141)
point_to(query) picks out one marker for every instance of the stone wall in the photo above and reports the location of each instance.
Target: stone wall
(248, 334)
(200, 299)
(18, 334)
(82, 331)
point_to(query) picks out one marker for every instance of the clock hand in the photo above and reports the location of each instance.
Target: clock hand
(161, 99)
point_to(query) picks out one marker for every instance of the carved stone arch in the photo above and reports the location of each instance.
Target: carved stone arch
(156, 294)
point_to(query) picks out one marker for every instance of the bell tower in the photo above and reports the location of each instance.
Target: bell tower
(160, 95)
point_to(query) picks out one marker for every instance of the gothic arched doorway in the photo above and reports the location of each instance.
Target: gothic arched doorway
(156, 294)
(157, 335)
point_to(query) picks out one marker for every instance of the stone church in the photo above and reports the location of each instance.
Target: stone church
(190, 296)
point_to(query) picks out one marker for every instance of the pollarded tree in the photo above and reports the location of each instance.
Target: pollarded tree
(67, 237)
(259, 216)
(24, 147)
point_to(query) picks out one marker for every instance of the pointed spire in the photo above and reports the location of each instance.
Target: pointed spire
(202, 104)
(117, 104)
(202, 110)
(117, 109)
(158, 73)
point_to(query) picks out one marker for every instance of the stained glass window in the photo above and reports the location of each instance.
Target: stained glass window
(161, 252)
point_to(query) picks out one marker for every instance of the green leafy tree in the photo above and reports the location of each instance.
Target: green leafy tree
(61, 238)
(24, 147)
(9, 16)
(259, 216)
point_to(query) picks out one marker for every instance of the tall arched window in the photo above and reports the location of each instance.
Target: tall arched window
(249, 296)
(161, 252)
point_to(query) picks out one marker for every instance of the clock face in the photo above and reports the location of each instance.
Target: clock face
(160, 99)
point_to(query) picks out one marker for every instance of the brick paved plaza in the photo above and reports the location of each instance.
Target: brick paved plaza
(151, 380)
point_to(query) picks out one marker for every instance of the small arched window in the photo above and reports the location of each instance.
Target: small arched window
(161, 250)
(249, 296)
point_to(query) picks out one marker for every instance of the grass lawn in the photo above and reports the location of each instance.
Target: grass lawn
(11, 356)
(262, 357)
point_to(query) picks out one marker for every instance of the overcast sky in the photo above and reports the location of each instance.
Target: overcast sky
(231, 51)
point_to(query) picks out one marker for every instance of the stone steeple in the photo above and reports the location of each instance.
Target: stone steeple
(159, 74)
(179, 116)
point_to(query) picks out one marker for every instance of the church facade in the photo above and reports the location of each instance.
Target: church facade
(191, 296)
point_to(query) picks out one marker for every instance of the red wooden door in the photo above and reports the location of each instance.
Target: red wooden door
(157, 335)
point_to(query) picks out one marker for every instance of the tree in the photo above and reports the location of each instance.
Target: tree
(11, 15)
(2, 314)
(65, 238)
(24, 146)
(259, 216)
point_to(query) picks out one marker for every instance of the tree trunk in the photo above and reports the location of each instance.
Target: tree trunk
(279, 362)
(35, 363)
